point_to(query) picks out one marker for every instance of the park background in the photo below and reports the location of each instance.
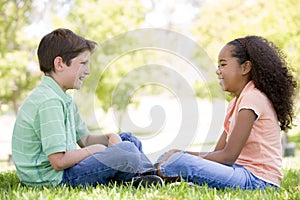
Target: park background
(210, 23)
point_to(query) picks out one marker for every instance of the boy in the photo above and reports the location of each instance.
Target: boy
(49, 127)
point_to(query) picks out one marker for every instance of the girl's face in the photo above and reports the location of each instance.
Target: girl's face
(230, 72)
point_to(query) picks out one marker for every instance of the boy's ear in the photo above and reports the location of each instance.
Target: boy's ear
(246, 66)
(58, 61)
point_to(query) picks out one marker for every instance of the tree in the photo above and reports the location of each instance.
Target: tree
(16, 52)
(100, 21)
(276, 20)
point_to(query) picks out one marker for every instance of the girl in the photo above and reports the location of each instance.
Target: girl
(248, 154)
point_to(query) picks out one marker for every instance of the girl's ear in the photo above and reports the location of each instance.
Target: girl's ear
(58, 61)
(246, 66)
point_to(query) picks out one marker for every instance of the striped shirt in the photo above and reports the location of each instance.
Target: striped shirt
(48, 122)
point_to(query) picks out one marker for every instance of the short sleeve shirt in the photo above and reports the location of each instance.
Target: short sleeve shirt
(262, 153)
(48, 122)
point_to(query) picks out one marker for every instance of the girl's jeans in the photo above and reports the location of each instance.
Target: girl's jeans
(120, 162)
(201, 171)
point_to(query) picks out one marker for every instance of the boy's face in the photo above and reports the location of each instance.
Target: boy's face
(74, 74)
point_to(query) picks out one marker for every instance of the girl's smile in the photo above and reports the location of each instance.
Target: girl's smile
(232, 75)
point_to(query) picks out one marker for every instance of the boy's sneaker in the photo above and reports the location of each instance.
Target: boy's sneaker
(147, 181)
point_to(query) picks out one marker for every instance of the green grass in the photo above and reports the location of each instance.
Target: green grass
(11, 188)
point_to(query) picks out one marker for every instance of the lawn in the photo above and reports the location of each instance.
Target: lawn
(11, 188)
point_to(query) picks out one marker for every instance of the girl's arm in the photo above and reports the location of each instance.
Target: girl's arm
(237, 140)
(221, 142)
(227, 153)
(220, 145)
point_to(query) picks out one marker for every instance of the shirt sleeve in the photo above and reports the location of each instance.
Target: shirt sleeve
(81, 128)
(52, 126)
(228, 116)
(253, 101)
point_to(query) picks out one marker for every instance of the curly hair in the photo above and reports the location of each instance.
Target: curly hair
(270, 74)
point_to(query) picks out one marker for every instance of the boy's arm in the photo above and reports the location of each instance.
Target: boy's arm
(89, 144)
(63, 160)
(104, 139)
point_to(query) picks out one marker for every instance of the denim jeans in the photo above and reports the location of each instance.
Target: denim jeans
(126, 136)
(118, 163)
(201, 171)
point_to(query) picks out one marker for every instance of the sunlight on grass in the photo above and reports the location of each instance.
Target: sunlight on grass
(11, 188)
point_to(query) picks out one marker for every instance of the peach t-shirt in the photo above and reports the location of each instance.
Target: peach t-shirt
(262, 153)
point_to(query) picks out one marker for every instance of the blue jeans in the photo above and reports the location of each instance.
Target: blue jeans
(117, 163)
(126, 136)
(201, 171)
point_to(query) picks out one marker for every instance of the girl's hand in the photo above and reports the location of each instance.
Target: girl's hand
(165, 158)
(169, 154)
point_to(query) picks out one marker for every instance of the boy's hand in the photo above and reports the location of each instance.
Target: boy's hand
(103, 139)
(113, 139)
(95, 148)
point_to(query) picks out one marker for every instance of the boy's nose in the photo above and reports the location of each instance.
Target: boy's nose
(87, 71)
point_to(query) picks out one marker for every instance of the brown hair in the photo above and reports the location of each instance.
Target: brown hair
(270, 74)
(64, 43)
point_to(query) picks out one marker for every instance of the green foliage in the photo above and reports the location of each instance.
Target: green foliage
(210, 90)
(276, 20)
(295, 138)
(11, 188)
(16, 52)
(99, 21)
(13, 16)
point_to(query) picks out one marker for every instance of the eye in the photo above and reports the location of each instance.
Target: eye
(221, 65)
(84, 63)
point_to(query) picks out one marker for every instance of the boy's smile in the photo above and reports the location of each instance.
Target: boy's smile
(74, 74)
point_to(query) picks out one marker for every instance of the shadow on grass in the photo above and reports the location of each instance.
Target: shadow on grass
(12, 188)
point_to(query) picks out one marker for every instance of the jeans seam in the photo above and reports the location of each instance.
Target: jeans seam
(91, 172)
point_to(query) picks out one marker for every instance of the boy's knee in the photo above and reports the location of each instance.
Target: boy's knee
(128, 147)
(126, 136)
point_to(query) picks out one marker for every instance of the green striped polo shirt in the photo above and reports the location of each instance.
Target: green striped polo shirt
(48, 122)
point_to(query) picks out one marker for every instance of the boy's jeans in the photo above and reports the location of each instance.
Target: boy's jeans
(120, 162)
(201, 171)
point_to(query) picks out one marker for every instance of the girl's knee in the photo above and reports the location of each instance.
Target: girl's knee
(183, 162)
